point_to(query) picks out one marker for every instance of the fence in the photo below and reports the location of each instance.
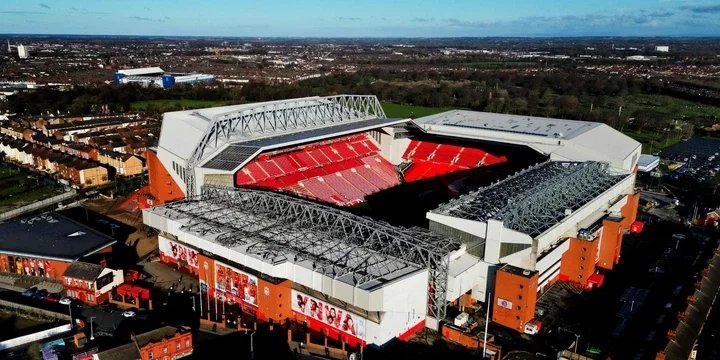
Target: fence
(37, 205)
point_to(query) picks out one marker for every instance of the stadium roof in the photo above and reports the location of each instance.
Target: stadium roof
(535, 199)
(141, 71)
(208, 130)
(51, 237)
(279, 228)
(234, 155)
(562, 139)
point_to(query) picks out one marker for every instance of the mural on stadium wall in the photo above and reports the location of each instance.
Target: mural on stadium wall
(328, 314)
(27, 266)
(178, 252)
(235, 285)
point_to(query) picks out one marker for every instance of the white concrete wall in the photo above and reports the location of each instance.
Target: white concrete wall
(118, 279)
(473, 278)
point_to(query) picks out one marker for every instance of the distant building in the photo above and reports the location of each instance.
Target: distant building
(662, 49)
(23, 52)
(167, 342)
(90, 283)
(155, 76)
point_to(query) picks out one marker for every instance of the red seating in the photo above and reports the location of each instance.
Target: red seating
(270, 168)
(330, 153)
(341, 171)
(319, 157)
(344, 151)
(344, 188)
(432, 159)
(359, 182)
(318, 188)
(292, 179)
(304, 159)
(286, 163)
(242, 178)
(374, 178)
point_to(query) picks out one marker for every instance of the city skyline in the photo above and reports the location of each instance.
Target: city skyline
(370, 18)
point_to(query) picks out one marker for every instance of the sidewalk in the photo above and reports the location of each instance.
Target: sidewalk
(316, 353)
(221, 330)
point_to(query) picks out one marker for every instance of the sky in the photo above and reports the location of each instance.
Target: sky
(363, 18)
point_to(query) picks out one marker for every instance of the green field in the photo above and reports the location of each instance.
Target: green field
(16, 189)
(393, 110)
(189, 104)
(662, 104)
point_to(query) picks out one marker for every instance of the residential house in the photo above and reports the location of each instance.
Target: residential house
(167, 342)
(124, 164)
(90, 283)
(91, 174)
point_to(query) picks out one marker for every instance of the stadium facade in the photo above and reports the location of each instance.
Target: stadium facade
(253, 201)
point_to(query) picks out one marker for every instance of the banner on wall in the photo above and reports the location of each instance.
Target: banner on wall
(235, 285)
(181, 253)
(504, 303)
(328, 314)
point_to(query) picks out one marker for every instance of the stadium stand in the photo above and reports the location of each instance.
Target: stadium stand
(342, 171)
(429, 159)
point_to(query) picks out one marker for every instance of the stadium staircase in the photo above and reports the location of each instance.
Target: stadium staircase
(429, 159)
(342, 171)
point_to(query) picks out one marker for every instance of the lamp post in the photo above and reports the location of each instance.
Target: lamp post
(207, 290)
(70, 312)
(252, 346)
(577, 340)
(92, 334)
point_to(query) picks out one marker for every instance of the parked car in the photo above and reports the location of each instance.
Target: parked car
(40, 294)
(54, 297)
(65, 301)
(130, 313)
(30, 292)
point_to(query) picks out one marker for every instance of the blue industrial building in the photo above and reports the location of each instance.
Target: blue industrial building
(155, 76)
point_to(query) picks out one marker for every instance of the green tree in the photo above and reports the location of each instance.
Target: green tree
(34, 351)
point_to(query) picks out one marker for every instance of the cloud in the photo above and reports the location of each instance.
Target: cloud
(466, 24)
(423, 20)
(21, 12)
(140, 18)
(349, 18)
(45, 6)
(707, 9)
(73, 9)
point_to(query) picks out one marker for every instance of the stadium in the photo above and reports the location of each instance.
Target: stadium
(291, 207)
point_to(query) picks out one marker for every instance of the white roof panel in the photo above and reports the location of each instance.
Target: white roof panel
(141, 71)
(560, 139)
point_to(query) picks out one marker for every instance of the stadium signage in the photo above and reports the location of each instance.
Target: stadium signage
(180, 253)
(504, 303)
(235, 285)
(328, 314)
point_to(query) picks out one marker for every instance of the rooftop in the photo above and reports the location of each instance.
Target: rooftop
(141, 71)
(518, 271)
(277, 228)
(536, 198)
(529, 125)
(83, 271)
(50, 236)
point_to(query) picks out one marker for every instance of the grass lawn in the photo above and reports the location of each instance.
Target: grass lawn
(403, 111)
(190, 104)
(16, 189)
(677, 107)
(659, 141)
